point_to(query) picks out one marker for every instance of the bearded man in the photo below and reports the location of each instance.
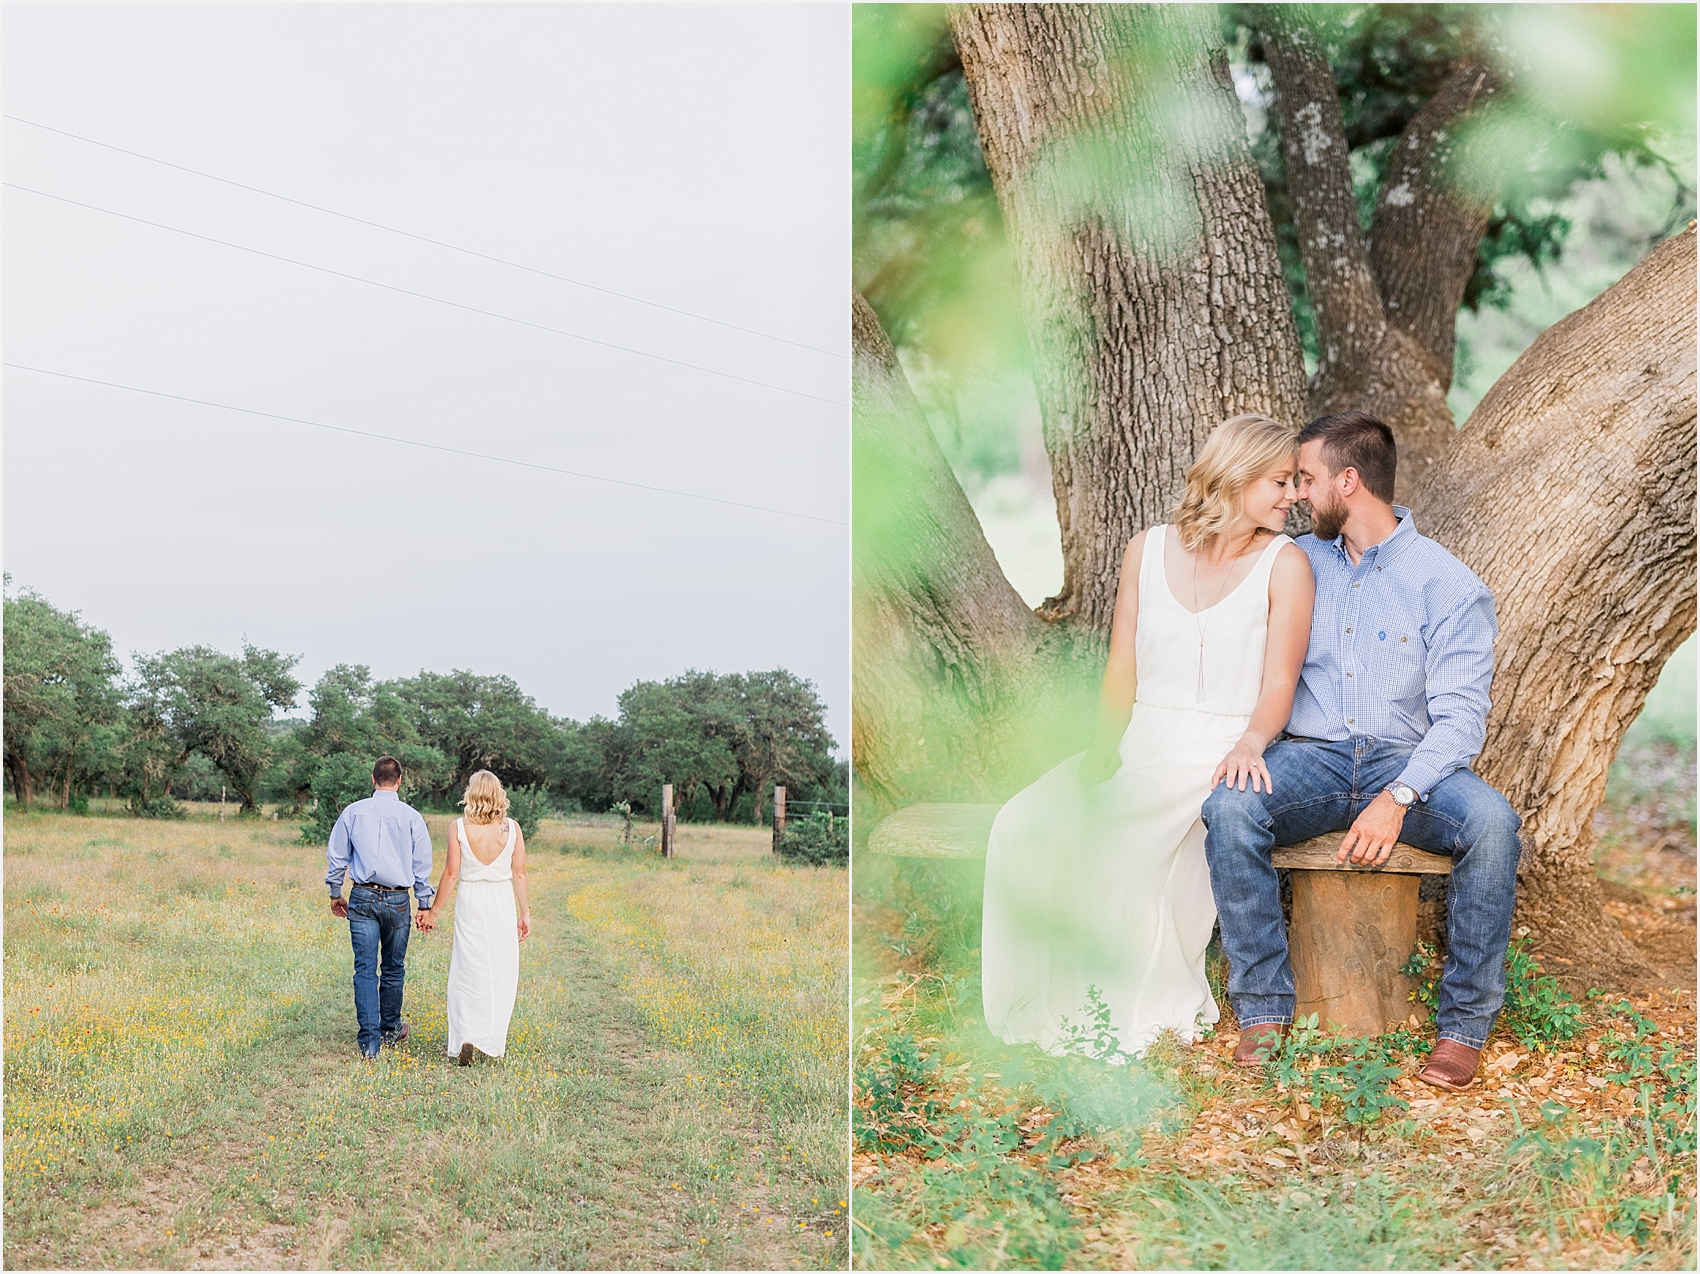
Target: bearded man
(1391, 709)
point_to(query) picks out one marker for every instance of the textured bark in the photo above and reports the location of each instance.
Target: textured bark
(1429, 222)
(1382, 350)
(1571, 493)
(1350, 320)
(949, 660)
(1152, 291)
(22, 785)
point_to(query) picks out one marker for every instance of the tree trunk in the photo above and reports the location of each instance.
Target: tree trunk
(1385, 310)
(946, 653)
(20, 772)
(1154, 300)
(1571, 493)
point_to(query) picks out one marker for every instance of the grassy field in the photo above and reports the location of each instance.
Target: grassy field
(1575, 1153)
(182, 1087)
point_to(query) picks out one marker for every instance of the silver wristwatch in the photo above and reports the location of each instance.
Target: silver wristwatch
(1403, 794)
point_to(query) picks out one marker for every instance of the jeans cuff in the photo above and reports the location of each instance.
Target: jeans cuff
(1246, 1023)
(1459, 1037)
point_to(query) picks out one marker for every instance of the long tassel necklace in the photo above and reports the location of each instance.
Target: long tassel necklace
(1205, 615)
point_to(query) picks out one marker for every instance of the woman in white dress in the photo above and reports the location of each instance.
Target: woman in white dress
(492, 917)
(1095, 874)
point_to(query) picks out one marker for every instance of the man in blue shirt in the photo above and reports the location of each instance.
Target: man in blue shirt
(384, 845)
(1391, 709)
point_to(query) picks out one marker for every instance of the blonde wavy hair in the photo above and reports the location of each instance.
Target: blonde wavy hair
(486, 800)
(1238, 452)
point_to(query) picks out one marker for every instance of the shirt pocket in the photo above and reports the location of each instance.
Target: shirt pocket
(1397, 658)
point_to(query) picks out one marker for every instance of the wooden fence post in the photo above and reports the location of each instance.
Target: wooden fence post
(667, 820)
(778, 817)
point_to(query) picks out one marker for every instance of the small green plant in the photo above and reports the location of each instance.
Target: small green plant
(819, 840)
(1096, 1037)
(1537, 1010)
(1424, 966)
(1632, 1053)
(899, 1104)
(1363, 1083)
(1359, 1085)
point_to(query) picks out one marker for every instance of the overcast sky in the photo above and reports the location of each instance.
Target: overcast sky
(693, 156)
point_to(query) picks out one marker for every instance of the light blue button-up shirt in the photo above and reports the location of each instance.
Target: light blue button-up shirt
(386, 842)
(1401, 649)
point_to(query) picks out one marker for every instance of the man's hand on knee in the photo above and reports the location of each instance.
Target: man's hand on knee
(1370, 839)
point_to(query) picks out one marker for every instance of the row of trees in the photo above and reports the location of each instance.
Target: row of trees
(189, 723)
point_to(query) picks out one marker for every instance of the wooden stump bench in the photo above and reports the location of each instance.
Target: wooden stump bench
(934, 831)
(1352, 929)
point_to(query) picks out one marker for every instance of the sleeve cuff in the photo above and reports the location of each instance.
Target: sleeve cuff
(1421, 776)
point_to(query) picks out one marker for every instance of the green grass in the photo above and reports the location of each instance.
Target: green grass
(182, 1085)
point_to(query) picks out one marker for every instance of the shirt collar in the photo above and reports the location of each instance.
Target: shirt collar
(1403, 533)
(384, 791)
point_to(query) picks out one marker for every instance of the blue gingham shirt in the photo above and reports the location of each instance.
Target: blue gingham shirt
(1401, 650)
(383, 841)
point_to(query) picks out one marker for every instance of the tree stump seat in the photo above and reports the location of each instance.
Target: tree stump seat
(1352, 929)
(935, 830)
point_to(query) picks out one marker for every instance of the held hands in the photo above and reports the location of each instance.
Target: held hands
(1370, 839)
(1243, 764)
(426, 919)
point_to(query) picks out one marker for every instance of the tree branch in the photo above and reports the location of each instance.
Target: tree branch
(1428, 224)
(949, 660)
(1350, 321)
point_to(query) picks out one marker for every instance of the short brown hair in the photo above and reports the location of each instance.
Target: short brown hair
(386, 771)
(1357, 440)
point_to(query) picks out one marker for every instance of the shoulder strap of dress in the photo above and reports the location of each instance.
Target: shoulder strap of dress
(1266, 562)
(1152, 558)
(460, 831)
(512, 828)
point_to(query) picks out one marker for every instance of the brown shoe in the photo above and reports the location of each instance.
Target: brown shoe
(1259, 1043)
(467, 1052)
(1451, 1066)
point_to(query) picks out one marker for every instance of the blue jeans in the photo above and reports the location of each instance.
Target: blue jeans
(1322, 787)
(378, 925)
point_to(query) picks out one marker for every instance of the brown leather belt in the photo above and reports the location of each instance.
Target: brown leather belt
(388, 889)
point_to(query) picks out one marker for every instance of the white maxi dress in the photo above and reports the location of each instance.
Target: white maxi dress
(484, 962)
(1106, 886)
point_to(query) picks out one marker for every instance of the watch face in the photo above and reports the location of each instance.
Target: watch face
(1402, 793)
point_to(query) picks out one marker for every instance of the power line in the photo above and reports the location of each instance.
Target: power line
(424, 296)
(453, 247)
(428, 446)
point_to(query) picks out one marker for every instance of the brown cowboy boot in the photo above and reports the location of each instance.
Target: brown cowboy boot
(1259, 1043)
(1451, 1066)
